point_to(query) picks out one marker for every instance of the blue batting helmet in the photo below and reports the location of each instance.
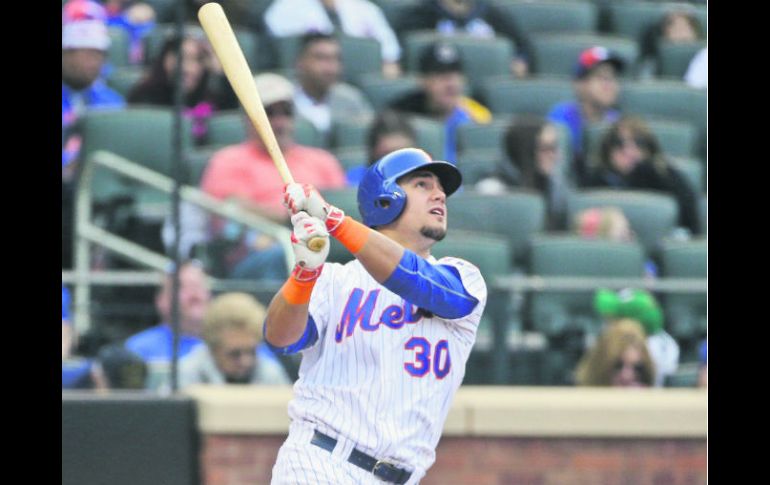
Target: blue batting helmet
(381, 200)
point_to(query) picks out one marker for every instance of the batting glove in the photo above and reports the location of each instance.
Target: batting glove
(308, 262)
(305, 197)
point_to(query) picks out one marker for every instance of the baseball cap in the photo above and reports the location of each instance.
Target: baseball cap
(84, 26)
(273, 88)
(440, 57)
(593, 56)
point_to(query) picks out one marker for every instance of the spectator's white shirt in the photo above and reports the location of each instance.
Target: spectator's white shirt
(697, 74)
(359, 18)
(664, 352)
(317, 112)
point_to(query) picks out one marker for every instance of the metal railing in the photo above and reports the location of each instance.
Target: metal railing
(87, 233)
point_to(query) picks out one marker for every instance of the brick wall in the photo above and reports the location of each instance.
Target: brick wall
(242, 459)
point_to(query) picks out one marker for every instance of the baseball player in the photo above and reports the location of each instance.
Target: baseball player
(384, 338)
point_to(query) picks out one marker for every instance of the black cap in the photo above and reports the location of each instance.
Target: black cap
(440, 57)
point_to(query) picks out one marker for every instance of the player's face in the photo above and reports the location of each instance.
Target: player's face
(426, 209)
(235, 354)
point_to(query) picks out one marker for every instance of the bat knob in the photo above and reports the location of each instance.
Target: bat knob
(316, 244)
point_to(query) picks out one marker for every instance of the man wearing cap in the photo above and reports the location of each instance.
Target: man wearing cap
(84, 46)
(597, 90)
(246, 174)
(442, 94)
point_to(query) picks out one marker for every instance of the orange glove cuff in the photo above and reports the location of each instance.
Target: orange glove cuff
(297, 292)
(352, 234)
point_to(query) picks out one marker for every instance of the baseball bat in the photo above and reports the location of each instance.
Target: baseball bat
(230, 55)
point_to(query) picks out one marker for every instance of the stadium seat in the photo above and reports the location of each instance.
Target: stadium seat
(692, 169)
(123, 79)
(552, 15)
(672, 100)
(506, 95)
(652, 215)
(686, 316)
(381, 91)
(226, 128)
(675, 58)
(197, 161)
(557, 54)
(515, 216)
(117, 53)
(430, 135)
(350, 157)
(703, 213)
(488, 137)
(477, 164)
(110, 130)
(350, 133)
(556, 312)
(482, 57)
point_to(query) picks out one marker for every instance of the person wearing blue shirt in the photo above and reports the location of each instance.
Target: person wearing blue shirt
(596, 91)
(441, 96)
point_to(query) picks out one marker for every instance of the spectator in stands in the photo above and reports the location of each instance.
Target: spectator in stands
(603, 223)
(619, 358)
(697, 74)
(232, 354)
(154, 345)
(533, 161)
(319, 96)
(84, 46)
(356, 18)
(388, 132)
(245, 174)
(477, 18)
(630, 157)
(676, 26)
(137, 19)
(441, 95)
(596, 90)
(157, 85)
(641, 306)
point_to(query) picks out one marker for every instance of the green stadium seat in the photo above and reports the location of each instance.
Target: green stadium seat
(692, 169)
(652, 215)
(350, 133)
(557, 54)
(675, 58)
(350, 157)
(515, 216)
(506, 95)
(118, 52)
(430, 135)
(197, 161)
(686, 313)
(119, 132)
(489, 137)
(556, 312)
(552, 15)
(477, 164)
(226, 128)
(703, 213)
(305, 133)
(381, 91)
(672, 100)
(123, 79)
(482, 57)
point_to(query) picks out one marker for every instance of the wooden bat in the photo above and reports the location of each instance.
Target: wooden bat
(230, 54)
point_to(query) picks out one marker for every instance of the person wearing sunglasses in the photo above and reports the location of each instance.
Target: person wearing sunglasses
(233, 352)
(533, 160)
(630, 157)
(619, 358)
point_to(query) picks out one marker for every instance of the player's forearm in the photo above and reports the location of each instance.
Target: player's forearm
(377, 253)
(286, 322)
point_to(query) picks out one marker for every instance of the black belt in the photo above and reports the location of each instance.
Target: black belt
(380, 469)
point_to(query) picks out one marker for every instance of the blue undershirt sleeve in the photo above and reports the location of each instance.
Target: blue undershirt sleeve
(434, 287)
(306, 340)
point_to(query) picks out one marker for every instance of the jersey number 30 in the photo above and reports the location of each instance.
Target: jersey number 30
(438, 361)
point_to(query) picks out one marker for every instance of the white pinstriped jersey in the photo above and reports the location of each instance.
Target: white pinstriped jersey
(380, 374)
